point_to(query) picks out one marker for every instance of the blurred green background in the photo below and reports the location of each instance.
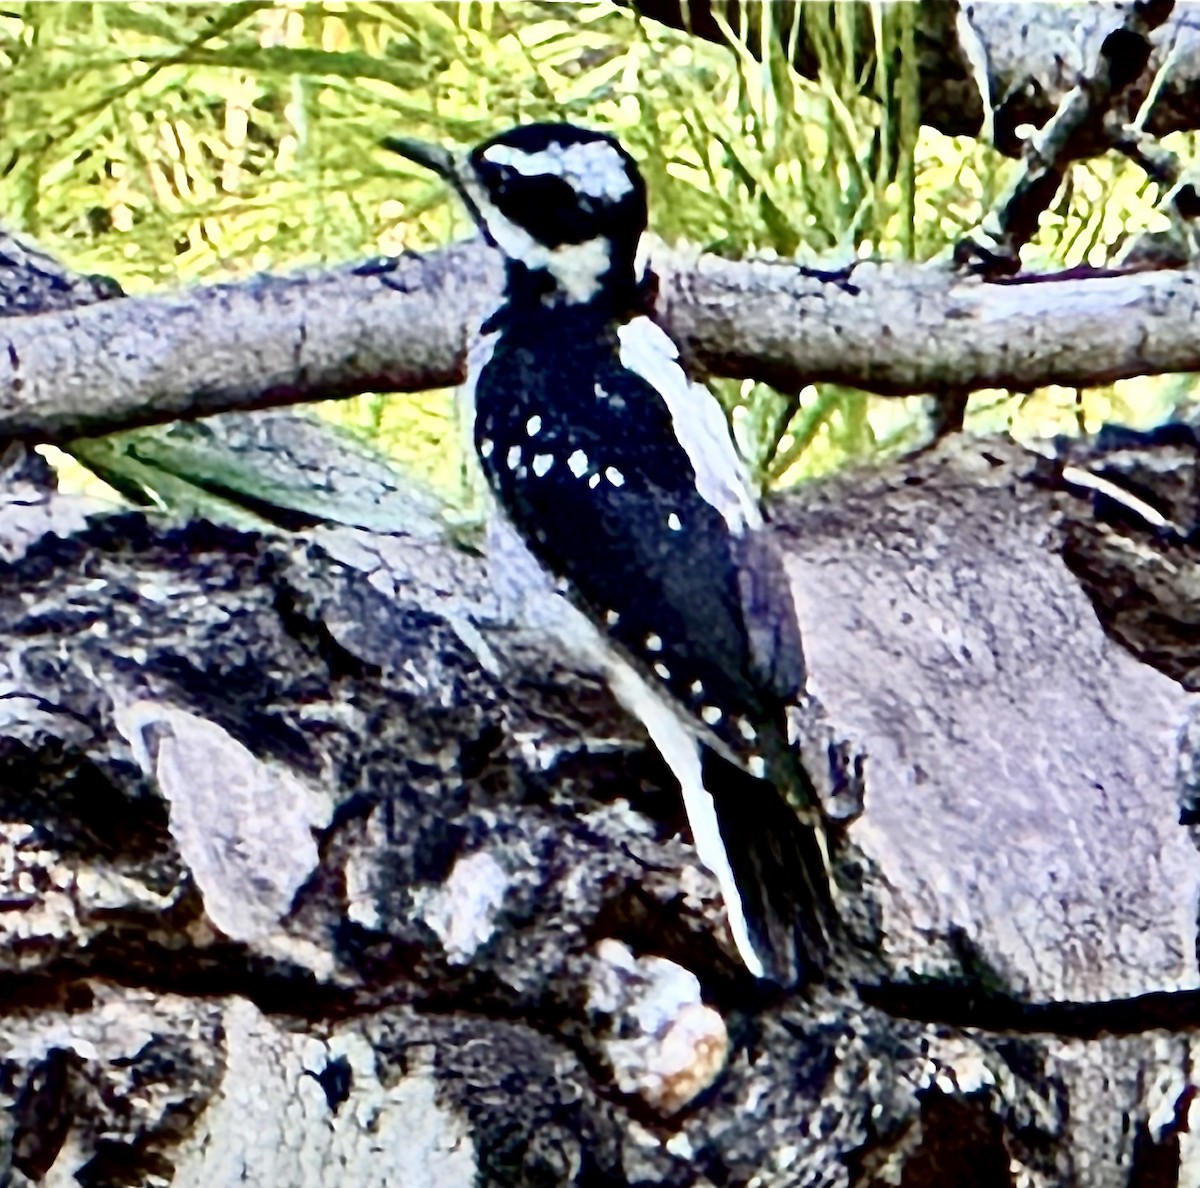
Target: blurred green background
(165, 144)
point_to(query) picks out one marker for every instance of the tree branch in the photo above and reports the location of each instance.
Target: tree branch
(262, 343)
(271, 341)
(1035, 54)
(902, 330)
(1077, 130)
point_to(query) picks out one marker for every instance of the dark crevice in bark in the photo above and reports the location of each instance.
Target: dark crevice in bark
(965, 1005)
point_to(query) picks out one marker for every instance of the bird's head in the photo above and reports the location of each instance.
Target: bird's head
(556, 199)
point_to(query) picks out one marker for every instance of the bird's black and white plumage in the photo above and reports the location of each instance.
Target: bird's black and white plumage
(621, 478)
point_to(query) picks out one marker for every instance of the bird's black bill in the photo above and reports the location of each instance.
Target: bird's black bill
(430, 156)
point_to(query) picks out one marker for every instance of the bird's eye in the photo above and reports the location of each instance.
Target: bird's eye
(503, 179)
(543, 203)
(496, 179)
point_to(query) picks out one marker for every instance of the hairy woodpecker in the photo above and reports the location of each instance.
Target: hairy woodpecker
(621, 478)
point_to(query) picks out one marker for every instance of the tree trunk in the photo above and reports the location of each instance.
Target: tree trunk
(298, 891)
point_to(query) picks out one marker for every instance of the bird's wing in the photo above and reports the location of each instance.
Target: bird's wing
(638, 502)
(701, 428)
(698, 422)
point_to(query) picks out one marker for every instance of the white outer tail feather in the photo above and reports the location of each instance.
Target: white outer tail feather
(679, 747)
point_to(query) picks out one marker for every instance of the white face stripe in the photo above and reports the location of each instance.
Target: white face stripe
(577, 268)
(698, 421)
(594, 168)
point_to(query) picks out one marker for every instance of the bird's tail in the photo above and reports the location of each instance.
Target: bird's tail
(780, 866)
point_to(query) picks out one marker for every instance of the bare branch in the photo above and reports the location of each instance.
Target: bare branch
(270, 341)
(904, 329)
(262, 343)
(1077, 130)
(1033, 54)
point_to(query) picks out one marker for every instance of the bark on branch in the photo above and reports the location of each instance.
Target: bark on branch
(1078, 129)
(888, 328)
(1033, 55)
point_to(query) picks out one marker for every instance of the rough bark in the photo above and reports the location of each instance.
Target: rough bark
(895, 329)
(296, 890)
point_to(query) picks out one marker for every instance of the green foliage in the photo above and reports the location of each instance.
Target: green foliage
(163, 143)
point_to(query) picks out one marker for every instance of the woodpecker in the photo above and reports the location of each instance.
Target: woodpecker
(621, 478)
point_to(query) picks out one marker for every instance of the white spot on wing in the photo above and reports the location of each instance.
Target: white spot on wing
(578, 463)
(653, 643)
(612, 618)
(698, 688)
(513, 459)
(663, 671)
(542, 463)
(614, 476)
(485, 447)
(674, 523)
(711, 714)
(758, 767)
(746, 730)
(698, 422)
(534, 425)
(594, 481)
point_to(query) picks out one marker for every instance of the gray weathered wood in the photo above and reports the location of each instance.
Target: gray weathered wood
(194, 987)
